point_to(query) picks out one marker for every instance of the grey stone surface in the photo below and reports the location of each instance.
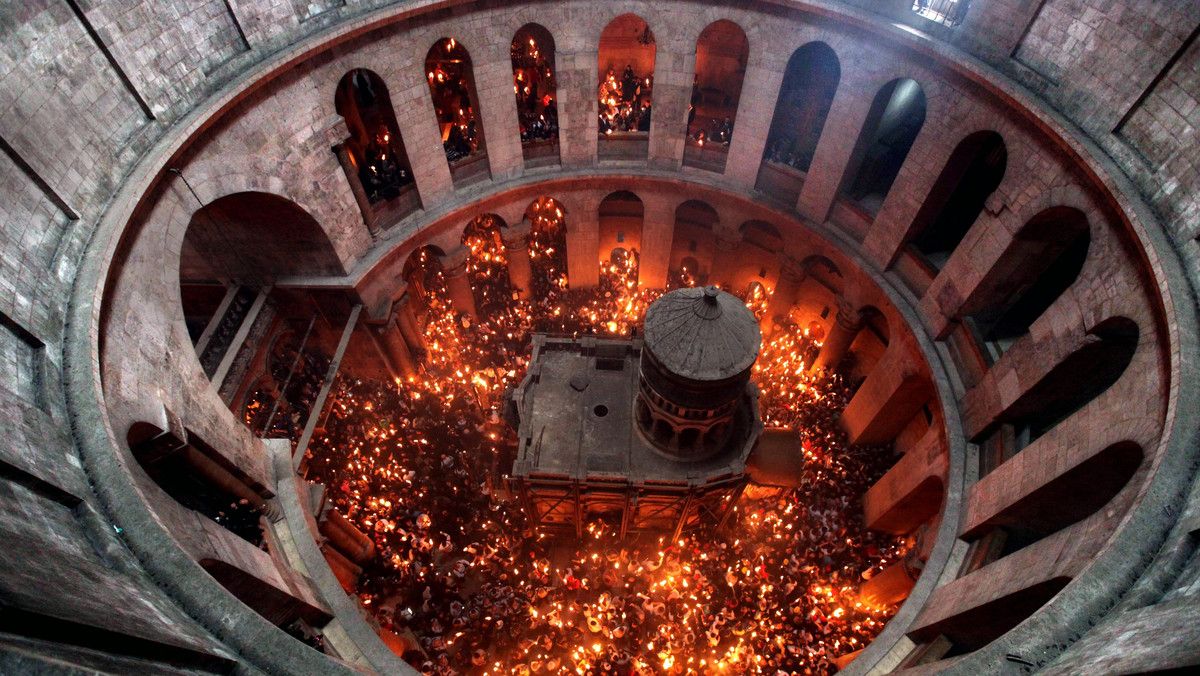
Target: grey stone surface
(702, 333)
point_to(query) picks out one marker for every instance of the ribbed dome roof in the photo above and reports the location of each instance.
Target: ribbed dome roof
(702, 333)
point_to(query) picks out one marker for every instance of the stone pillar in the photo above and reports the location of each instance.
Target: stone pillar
(576, 83)
(845, 328)
(658, 234)
(888, 587)
(346, 537)
(498, 112)
(360, 195)
(406, 320)
(454, 268)
(783, 298)
(516, 248)
(395, 348)
(422, 137)
(892, 394)
(583, 243)
(833, 158)
(897, 217)
(343, 568)
(910, 494)
(674, 64)
(760, 90)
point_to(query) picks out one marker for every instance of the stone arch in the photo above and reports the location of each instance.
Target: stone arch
(1066, 499)
(896, 117)
(422, 269)
(375, 155)
(626, 61)
(762, 235)
(255, 238)
(693, 240)
(805, 97)
(534, 70)
(451, 79)
(722, 52)
(973, 172)
(621, 218)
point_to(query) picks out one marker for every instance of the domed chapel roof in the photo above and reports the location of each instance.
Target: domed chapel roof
(702, 333)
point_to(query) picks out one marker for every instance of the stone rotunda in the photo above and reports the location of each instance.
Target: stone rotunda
(986, 211)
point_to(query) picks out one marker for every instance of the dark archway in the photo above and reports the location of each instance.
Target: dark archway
(423, 271)
(547, 245)
(456, 102)
(534, 85)
(1043, 260)
(374, 155)
(762, 235)
(970, 176)
(805, 98)
(692, 244)
(891, 128)
(255, 238)
(721, 54)
(625, 85)
(621, 219)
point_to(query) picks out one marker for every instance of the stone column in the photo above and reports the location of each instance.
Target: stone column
(673, 67)
(791, 276)
(845, 327)
(834, 158)
(498, 113)
(406, 320)
(658, 234)
(888, 587)
(576, 82)
(892, 394)
(395, 348)
(727, 241)
(360, 195)
(583, 243)
(422, 137)
(454, 268)
(516, 247)
(760, 90)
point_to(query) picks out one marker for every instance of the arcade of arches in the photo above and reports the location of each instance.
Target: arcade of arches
(302, 292)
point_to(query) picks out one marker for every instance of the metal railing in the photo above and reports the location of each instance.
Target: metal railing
(945, 12)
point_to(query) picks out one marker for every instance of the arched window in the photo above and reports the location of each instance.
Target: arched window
(532, 54)
(373, 156)
(423, 272)
(809, 84)
(1043, 260)
(970, 176)
(721, 54)
(547, 246)
(234, 248)
(487, 266)
(946, 12)
(692, 244)
(891, 127)
(621, 218)
(452, 86)
(625, 89)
